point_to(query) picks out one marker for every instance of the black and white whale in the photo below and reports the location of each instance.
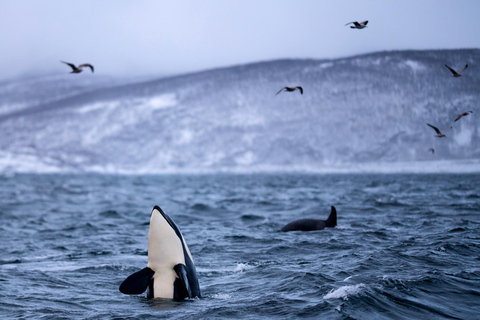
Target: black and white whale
(313, 224)
(170, 272)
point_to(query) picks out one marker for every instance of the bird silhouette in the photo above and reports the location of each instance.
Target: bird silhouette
(439, 134)
(358, 25)
(79, 68)
(457, 74)
(466, 113)
(291, 89)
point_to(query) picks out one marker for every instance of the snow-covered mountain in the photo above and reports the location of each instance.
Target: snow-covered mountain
(360, 112)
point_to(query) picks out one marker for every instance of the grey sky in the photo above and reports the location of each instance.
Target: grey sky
(164, 37)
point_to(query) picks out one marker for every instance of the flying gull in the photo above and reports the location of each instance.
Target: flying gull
(462, 115)
(439, 134)
(358, 25)
(79, 68)
(291, 89)
(457, 74)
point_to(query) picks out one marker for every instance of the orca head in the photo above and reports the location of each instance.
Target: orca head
(165, 242)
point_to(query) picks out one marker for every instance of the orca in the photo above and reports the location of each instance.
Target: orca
(312, 224)
(170, 272)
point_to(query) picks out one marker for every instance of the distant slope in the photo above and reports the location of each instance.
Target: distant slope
(364, 109)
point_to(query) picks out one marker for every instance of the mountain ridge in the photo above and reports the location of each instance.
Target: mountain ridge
(370, 108)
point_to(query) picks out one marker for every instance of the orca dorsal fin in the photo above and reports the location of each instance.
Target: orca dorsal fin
(332, 218)
(137, 282)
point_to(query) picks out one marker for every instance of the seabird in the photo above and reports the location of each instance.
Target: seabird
(462, 115)
(457, 73)
(432, 150)
(79, 68)
(358, 25)
(439, 134)
(290, 89)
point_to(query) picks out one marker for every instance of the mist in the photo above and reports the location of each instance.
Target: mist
(155, 38)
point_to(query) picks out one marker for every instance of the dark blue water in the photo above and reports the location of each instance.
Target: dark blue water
(406, 246)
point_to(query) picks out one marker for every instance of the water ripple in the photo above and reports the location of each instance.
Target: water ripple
(406, 246)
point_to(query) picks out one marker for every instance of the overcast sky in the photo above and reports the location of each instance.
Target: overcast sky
(122, 37)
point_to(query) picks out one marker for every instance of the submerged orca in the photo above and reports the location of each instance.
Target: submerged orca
(312, 224)
(170, 272)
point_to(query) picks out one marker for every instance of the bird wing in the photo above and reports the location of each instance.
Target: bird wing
(466, 113)
(301, 89)
(86, 65)
(453, 71)
(281, 90)
(351, 22)
(70, 64)
(463, 69)
(446, 130)
(357, 24)
(364, 22)
(434, 128)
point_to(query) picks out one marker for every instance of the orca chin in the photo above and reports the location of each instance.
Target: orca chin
(170, 272)
(313, 224)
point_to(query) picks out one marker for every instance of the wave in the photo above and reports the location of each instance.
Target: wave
(344, 292)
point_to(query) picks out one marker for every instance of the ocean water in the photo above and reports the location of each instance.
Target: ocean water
(406, 246)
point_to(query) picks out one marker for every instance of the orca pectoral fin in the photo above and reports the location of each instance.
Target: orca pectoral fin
(182, 286)
(137, 283)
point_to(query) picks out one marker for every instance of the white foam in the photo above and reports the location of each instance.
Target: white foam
(344, 292)
(221, 296)
(242, 267)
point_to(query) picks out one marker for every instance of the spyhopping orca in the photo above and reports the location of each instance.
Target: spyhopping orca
(312, 224)
(170, 272)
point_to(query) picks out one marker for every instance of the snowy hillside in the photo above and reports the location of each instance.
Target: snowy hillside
(366, 112)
